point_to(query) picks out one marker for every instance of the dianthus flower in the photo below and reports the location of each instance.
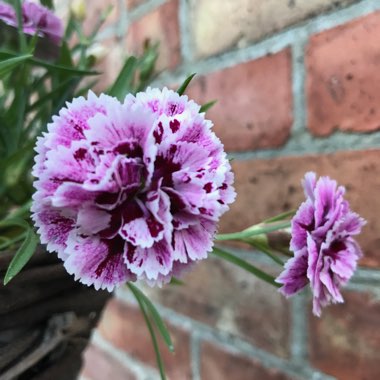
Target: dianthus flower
(36, 19)
(325, 253)
(130, 191)
(41, 20)
(7, 14)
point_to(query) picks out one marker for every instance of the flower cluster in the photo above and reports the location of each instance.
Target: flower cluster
(35, 19)
(325, 253)
(130, 191)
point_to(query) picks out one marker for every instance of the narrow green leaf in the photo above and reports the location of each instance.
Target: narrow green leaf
(14, 222)
(265, 249)
(22, 256)
(184, 85)
(143, 308)
(123, 83)
(61, 68)
(279, 217)
(48, 65)
(50, 95)
(10, 64)
(155, 315)
(8, 242)
(255, 230)
(246, 266)
(20, 28)
(205, 107)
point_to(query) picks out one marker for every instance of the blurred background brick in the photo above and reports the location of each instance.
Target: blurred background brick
(245, 21)
(343, 78)
(254, 108)
(160, 26)
(345, 342)
(222, 365)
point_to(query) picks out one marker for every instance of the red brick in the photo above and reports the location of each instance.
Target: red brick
(125, 328)
(131, 4)
(269, 187)
(110, 65)
(345, 341)
(161, 26)
(228, 298)
(218, 25)
(99, 365)
(343, 78)
(254, 108)
(97, 8)
(219, 364)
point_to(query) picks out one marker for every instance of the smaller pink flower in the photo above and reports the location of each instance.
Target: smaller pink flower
(38, 19)
(7, 14)
(325, 252)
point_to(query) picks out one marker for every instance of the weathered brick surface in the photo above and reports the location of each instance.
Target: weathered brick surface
(125, 328)
(99, 365)
(131, 4)
(343, 77)
(110, 65)
(95, 9)
(221, 365)
(345, 341)
(254, 108)
(269, 187)
(161, 26)
(219, 25)
(228, 298)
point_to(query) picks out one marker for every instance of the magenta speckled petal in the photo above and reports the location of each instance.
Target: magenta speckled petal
(130, 191)
(325, 253)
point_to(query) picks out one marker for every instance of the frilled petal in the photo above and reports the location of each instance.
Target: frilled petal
(70, 194)
(302, 224)
(150, 262)
(97, 262)
(54, 228)
(194, 242)
(294, 278)
(308, 184)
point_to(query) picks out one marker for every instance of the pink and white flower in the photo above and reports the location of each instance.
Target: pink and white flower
(325, 251)
(130, 191)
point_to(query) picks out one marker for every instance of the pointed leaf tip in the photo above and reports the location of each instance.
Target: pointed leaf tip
(181, 90)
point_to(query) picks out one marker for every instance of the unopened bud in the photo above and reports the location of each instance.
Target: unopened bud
(78, 9)
(96, 52)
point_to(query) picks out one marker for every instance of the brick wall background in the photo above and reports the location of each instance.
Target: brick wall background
(298, 84)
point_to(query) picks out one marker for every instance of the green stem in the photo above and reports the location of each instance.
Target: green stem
(151, 332)
(258, 229)
(261, 247)
(246, 266)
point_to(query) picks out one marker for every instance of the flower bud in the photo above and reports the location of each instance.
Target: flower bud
(78, 9)
(96, 52)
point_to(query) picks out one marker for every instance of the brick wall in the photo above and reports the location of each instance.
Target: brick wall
(298, 84)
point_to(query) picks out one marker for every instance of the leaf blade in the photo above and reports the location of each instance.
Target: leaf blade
(245, 265)
(182, 88)
(7, 65)
(156, 316)
(22, 256)
(150, 329)
(205, 107)
(123, 82)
